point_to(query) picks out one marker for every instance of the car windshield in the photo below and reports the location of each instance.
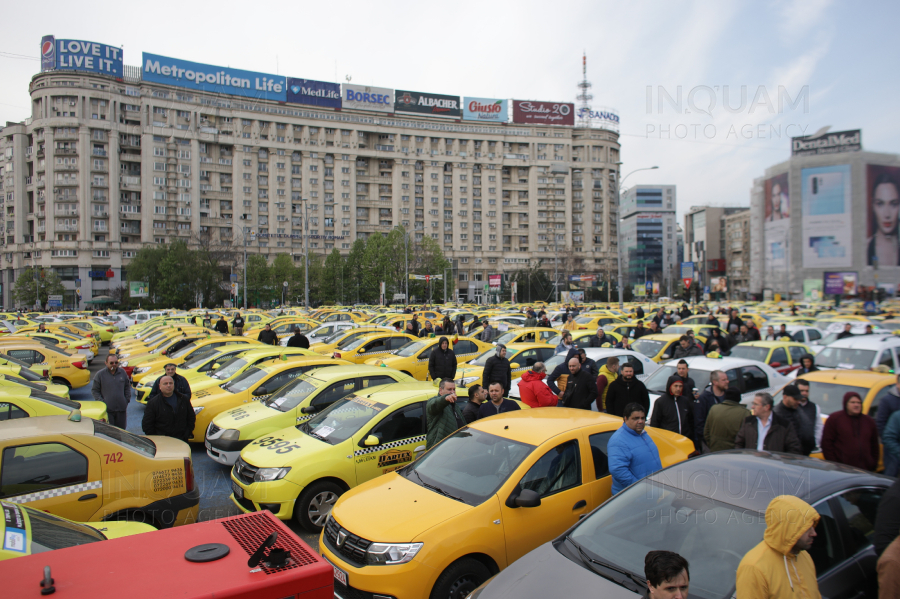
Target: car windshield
(678, 330)
(342, 419)
(411, 349)
(353, 337)
(335, 336)
(889, 325)
(656, 382)
(584, 319)
(184, 350)
(197, 360)
(29, 375)
(469, 465)
(49, 532)
(712, 536)
(845, 357)
(290, 396)
(244, 380)
(15, 361)
(116, 435)
(229, 368)
(483, 358)
(507, 337)
(829, 397)
(357, 343)
(648, 347)
(53, 400)
(749, 352)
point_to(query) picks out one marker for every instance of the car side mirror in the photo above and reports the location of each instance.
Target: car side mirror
(371, 441)
(362, 350)
(665, 356)
(214, 366)
(528, 498)
(775, 364)
(308, 410)
(514, 365)
(261, 391)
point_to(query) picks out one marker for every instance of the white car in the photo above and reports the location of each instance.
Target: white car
(643, 366)
(319, 334)
(749, 376)
(861, 352)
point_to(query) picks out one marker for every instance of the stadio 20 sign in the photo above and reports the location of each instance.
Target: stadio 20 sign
(77, 55)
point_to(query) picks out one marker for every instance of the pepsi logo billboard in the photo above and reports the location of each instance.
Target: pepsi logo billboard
(490, 110)
(313, 93)
(48, 53)
(531, 112)
(78, 55)
(430, 104)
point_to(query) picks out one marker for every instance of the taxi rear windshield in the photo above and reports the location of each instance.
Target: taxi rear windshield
(116, 435)
(66, 404)
(49, 532)
(15, 361)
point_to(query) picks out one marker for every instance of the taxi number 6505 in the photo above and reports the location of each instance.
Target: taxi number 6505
(279, 445)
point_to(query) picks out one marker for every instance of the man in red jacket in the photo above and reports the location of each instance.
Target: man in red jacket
(850, 437)
(533, 390)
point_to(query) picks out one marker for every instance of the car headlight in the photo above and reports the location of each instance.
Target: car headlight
(123, 364)
(198, 410)
(230, 435)
(466, 380)
(269, 474)
(141, 370)
(390, 554)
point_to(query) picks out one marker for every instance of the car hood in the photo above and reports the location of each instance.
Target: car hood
(308, 450)
(93, 409)
(250, 414)
(115, 530)
(422, 509)
(170, 448)
(202, 396)
(545, 572)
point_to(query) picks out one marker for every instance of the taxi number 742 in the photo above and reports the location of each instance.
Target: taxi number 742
(113, 457)
(276, 444)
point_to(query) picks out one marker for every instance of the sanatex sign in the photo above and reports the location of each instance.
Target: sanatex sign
(207, 78)
(314, 93)
(361, 97)
(486, 109)
(605, 116)
(431, 104)
(78, 55)
(543, 113)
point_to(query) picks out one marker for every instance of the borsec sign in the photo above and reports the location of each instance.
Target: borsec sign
(361, 97)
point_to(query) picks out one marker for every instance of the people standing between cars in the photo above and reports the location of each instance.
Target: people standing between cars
(530, 319)
(298, 339)
(608, 373)
(811, 410)
(639, 330)
(711, 396)
(686, 349)
(428, 330)
(565, 344)
(667, 574)
(639, 314)
(891, 440)
(673, 411)
(770, 334)
(632, 453)
(168, 412)
(497, 369)
(732, 337)
(112, 387)
(441, 416)
(764, 431)
(182, 385)
(780, 565)
(846, 332)
(415, 325)
(653, 328)
(476, 322)
(267, 335)
(685, 312)
(716, 337)
(887, 519)
(789, 410)
(735, 319)
(533, 391)
(623, 343)
(724, 421)
(744, 335)
(712, 320)
(497, 404)
(487, 335)
(581, 387)
(238, 324)
(690, 387)
(207, 321)
(442, 362)
(556, 381)
(626, 389)
(570, 324)
(807, 364)
(222, 325)
(460, 325)
(869, 330)
(851, 437)
(447, 325)
(545, 322)
(600, 339)
(889, 404)
(477, 396)
(587, 363)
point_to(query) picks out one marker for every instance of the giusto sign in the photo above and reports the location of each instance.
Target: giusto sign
(314, 93)
(486, 109)
(361, 97)
(543, 113)
(203, 77)
(827, 143)
(77, 55)
(421, 103)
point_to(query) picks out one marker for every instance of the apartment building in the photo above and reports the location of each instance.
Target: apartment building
(705, 243)
(737, 253)
(649, 237)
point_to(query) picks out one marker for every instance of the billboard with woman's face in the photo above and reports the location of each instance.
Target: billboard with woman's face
(778, 199)
(883, 201)
(777, 222)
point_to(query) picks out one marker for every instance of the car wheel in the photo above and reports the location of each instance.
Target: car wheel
(459, 579)
(60, 381)
(315, 503)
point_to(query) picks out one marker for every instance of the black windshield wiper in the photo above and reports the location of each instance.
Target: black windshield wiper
(437, 489)
(638, 584)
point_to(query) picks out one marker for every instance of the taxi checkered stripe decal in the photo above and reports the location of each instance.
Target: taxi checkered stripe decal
(59, 492)
(390, 445)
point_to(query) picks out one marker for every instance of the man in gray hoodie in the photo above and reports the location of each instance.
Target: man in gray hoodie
(112, 387)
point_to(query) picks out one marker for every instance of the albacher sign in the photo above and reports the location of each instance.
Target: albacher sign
(543, 113)
(422, 103)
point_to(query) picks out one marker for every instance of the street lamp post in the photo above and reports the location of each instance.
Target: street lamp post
(306, 252)
(619, 228)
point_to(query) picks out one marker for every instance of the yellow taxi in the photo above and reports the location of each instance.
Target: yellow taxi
(60, 327)
(284, 327)
(26, 531)
(383, 343)
(343, 337)
(520, 355)
(594, 321)
(20, 373)
(296, 402)
(658, 347)
(253, 384)
(700, 330)
(105, 332)
(783, 356)
(202, 346)
(156, 341)
(827, 388)
(413, 359)
(59, 365)
(90, 471)
(83, 343)
(526, 335)
(20, 401)
(299, 471)
(476, 502)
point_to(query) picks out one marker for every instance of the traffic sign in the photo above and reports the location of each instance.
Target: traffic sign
(687, 274)
(870, 307)
(233, 278)
(54, 301)
(649, 285)
(687, 283)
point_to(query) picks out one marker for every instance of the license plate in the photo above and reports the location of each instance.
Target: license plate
(339, 575)
(238, 491)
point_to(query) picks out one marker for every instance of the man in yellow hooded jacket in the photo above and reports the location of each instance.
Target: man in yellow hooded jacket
(780, 565)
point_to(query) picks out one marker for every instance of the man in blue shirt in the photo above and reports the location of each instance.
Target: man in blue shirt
(632, 453)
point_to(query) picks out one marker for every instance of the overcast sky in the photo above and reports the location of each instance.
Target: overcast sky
(839, 59)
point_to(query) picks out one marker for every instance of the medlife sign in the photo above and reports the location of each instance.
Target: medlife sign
(208, 78)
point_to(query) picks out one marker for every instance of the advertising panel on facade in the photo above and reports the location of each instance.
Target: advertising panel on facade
(777, 225)
(430, 104)
(491, 110)
(543, 113)
(78, 55)
(827, 143)
(313, 93)
(207, 78)
(600, 117)
(361, 97)
(883, 208)
(827, 220)
(840, 283)
(494, 281)
(812, 289)
(138, 289)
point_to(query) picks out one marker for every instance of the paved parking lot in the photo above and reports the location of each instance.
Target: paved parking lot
(213, 479)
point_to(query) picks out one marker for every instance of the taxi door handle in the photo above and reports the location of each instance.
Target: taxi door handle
(87, 497)
(579, 505)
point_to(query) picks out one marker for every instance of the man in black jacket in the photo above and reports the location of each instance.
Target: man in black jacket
(442, 362)
(789, 410)
(222, 325)
(846, 332)
(477, 395)
(182, 386)
(588, 364)
(581, 387)
(625, 390)
(673, 411)
(238, 324)
(561, 373)
(497, 369)
(599, 339)
(267, 335)
(169, 413)
(298, 339)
